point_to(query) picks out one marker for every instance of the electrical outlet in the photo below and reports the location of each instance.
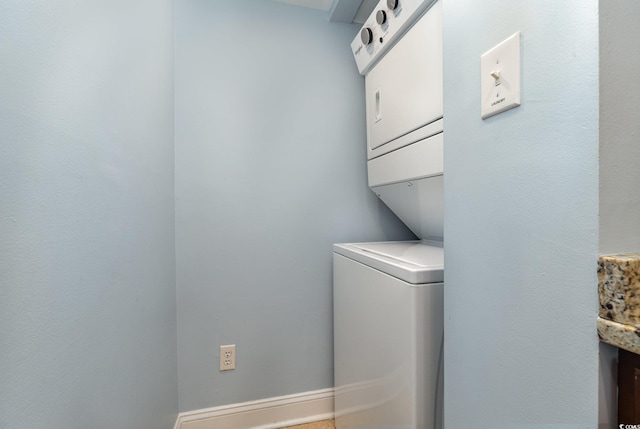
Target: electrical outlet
(227, 357)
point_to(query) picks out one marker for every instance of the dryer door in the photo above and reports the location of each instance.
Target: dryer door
(404, 90)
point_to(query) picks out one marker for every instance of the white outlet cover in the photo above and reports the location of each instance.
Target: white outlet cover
(500, 77)
(227, 357)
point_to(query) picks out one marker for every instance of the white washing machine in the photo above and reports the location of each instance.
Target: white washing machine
(388, 338)
(388, 297)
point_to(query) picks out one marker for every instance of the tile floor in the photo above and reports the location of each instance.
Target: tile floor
(324, 424)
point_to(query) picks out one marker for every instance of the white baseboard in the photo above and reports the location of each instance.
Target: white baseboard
(270, 413)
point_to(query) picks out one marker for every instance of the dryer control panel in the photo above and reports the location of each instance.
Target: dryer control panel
(387, 23)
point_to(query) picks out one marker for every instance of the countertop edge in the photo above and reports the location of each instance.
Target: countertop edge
(620, 335)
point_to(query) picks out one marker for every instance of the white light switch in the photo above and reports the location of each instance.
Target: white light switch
(500, 79)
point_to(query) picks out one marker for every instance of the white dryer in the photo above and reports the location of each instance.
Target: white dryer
(388, 297)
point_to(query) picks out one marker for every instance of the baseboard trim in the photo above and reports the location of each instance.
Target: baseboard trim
(270, 413)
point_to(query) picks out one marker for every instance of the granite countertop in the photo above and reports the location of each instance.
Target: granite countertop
(619, 293)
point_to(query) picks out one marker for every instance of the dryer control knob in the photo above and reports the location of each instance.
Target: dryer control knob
(381, 17)
(366, 35)
(392, 4)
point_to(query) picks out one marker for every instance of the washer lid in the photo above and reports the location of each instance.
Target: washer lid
(416, 262)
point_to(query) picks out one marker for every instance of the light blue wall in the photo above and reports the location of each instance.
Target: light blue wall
(87, 297)
(619, 126)
(270, 171)
(521, 220)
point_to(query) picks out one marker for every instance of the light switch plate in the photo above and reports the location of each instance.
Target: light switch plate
(500, 77)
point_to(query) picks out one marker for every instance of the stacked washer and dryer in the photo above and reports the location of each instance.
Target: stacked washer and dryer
(388, 296)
